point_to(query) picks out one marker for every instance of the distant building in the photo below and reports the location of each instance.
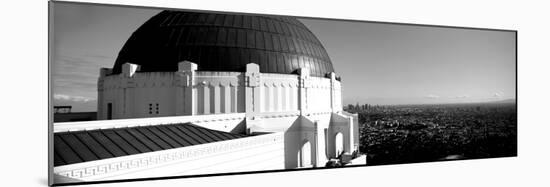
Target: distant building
(212, 93)
(62, 109)
(64, 114)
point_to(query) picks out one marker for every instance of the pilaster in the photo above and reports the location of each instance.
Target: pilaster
(185, 81)
(333, 94)
(303, 85)
(128, 85)
(252, 89)
(351, 134)
(316, 139)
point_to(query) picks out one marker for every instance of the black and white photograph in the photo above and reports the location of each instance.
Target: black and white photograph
(153, 93)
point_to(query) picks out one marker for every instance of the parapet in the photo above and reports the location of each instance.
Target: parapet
(129, 69)
(187, 66)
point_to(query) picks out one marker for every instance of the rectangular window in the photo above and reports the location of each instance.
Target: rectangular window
(157, 109)
(109, 110)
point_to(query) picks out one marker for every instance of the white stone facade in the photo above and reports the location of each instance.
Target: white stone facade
(134, 94)
(271, 103)
(297, 120)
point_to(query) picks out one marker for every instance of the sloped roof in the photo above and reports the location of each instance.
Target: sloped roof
(84, 146)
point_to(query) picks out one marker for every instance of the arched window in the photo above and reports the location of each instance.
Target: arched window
(304, 155)
(339, 143)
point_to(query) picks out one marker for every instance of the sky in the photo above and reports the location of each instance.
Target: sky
(87, 38)
(379, 63)
(402, 64)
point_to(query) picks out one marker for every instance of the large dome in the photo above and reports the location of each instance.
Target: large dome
(224, 42)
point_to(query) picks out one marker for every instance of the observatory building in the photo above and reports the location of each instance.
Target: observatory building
(203, 93)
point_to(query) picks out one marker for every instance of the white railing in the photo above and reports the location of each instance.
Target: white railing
(123, 123)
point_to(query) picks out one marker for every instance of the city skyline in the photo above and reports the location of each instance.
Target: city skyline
(441, 65)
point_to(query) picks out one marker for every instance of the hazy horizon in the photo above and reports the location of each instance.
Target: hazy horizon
(384, 64)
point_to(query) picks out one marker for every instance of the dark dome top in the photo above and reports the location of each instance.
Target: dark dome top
(224, 42)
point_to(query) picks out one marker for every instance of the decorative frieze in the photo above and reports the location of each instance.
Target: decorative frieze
(134, 163)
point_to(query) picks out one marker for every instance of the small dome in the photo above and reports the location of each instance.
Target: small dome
(224, 42)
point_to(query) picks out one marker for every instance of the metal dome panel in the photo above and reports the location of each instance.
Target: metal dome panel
(224, 42)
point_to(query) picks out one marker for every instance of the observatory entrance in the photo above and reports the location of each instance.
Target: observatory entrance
(339, 143)
(304, 156)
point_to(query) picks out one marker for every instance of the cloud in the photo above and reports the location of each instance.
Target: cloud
(98, 56)
(497, 95)
(75, 77)
(432, 96)
(461, 96)
(72, 98)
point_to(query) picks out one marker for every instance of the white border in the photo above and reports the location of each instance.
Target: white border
(24, 101)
